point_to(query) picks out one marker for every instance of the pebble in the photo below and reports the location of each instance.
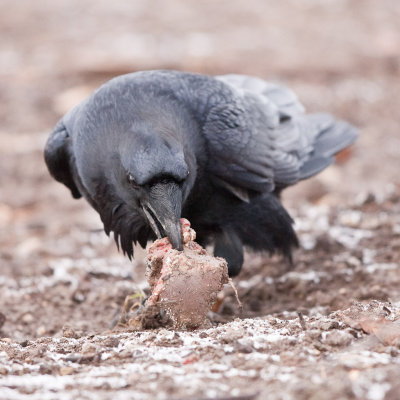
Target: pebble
(231, 335)
(328, 325)
(41, 331)
(353, 262)
(338, 338)
(111, 342)
(68, 332)
(27, 318)
(3, 371)
(89, 348)
(66, 371)
(78, 297)
(45, 369)
(17, 369)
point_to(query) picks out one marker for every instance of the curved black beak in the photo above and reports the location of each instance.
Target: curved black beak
(163, 210)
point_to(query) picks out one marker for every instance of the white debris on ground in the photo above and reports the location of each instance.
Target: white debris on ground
(288, 341)
(217, 362)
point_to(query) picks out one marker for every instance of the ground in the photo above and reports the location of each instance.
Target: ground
(327, 326)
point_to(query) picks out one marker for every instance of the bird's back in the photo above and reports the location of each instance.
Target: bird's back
(303, 144)
(256, 133)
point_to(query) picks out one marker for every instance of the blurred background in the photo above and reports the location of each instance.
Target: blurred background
(339, 56)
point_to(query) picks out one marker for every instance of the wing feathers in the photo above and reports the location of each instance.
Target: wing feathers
(261, 137)
(59, 158)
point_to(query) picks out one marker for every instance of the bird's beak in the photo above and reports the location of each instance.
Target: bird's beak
(163, 210)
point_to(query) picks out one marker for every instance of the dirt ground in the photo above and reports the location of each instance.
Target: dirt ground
(326, 327)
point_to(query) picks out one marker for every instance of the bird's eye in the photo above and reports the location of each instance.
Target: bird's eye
(131, 181)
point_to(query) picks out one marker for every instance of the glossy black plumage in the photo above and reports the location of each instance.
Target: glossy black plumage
(150, 147)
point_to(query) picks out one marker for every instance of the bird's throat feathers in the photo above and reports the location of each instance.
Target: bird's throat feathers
(128, 226)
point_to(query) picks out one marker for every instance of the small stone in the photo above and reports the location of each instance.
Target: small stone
(89, 348)
(17, 369)
(338, 338)
(66, 371)
(231, 335)
(350, 218)
(354, 374)
(372, 222)
(68, 332)
(287, 355)
(111, 342)
(328, 325)
(45, 369)
(243, 348)
(353, 262)
(84, 358)
(394, 352)
(27, 318)
(314, 333)
(73, 357)
(40, 350)
(314, 352)
(41, 331)
(78, 296)
(364, 198)
(88, 358)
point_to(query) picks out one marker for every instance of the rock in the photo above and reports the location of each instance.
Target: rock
(338, 338)
(89, 348)
(231, 335)
(41, 331)
(27, 318)
(68, 332)
(66, 371)
(111, 342)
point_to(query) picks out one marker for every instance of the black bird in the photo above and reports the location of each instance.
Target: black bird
(148, 148)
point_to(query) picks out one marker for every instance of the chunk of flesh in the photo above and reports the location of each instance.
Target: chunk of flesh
(184, 284)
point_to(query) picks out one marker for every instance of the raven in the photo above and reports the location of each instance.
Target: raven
(150, 147)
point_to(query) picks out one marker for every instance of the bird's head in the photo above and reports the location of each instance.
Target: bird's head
(154, 179)
(159, 200)
(135, 156)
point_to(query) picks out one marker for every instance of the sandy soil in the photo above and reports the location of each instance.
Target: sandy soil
(326, 327)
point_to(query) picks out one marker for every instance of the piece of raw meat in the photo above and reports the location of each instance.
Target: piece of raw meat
(184, 284)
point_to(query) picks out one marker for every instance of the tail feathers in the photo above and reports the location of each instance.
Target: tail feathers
(333, 136)
(315, 165)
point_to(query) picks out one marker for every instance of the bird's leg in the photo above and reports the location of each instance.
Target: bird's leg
(229, 246)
